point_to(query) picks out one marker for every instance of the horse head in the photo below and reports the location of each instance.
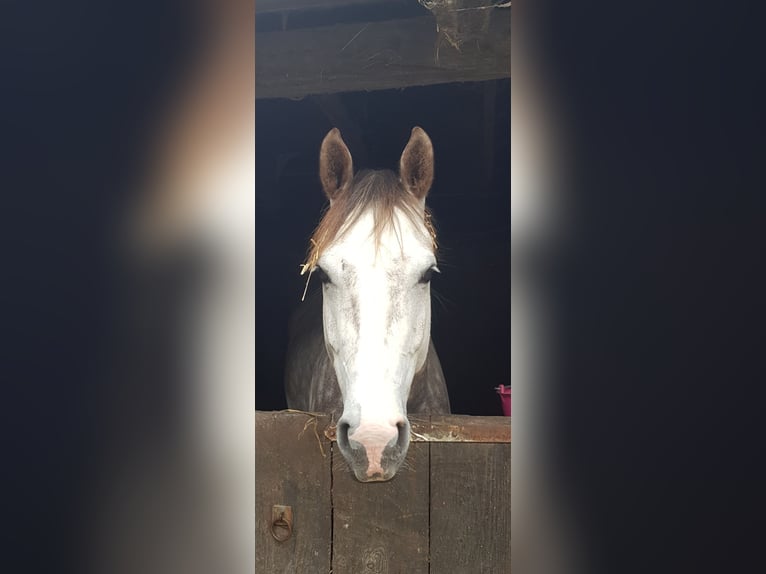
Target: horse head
(374, 252)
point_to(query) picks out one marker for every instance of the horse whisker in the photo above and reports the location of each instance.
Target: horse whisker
(442, 300)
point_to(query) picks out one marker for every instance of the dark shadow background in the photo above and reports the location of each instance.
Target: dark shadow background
(470, 200)
(659, 295)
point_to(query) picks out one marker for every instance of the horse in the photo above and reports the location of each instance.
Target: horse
(360, 348)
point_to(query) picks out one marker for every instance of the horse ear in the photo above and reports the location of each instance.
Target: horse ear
(416, 166)
(336, 169)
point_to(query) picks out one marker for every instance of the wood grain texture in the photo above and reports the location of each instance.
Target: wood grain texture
(462, 428)
(447, 511)
(291, 470)
(454, 428)
(470, 508)
(376, 56)
(382, 528)
(267, 6)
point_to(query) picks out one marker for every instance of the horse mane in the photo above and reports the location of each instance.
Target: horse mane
(382, 192)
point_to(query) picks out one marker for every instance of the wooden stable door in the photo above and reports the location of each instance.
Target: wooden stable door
(448, 509)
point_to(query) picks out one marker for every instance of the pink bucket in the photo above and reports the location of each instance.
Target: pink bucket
(505, 398)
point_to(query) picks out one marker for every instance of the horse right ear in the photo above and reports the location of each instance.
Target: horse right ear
(416, 166)
(336, 169)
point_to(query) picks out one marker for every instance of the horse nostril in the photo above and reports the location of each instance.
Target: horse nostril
(342, 434)
(403, 429)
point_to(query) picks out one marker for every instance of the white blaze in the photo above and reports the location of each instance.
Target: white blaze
(377, 316)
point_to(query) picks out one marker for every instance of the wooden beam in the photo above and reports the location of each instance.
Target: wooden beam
(270, 6)
(376, 56)
(461, 428)
(453, 428)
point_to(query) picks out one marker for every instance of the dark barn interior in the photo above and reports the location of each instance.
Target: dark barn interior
(469, 124)
(375, 70)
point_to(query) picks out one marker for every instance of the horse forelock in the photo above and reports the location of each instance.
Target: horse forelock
(380, 191)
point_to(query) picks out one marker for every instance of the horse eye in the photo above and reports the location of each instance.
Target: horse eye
(426, 277)
(323, 277)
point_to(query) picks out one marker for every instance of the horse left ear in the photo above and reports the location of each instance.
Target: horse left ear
(336, 168)
(416, 166)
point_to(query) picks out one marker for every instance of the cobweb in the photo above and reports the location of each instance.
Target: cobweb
(461, 22)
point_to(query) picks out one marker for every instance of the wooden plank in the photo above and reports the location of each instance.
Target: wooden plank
(454, 428)
(290, 469)
(267, 6)
(470, 508)
(381, 527)
(462, 428)
(376, 56)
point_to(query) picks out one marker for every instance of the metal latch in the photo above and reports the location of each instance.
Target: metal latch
(281, 522)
